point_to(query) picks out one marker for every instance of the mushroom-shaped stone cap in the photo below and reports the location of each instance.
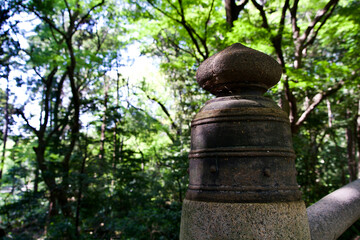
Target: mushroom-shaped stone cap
(238, 70)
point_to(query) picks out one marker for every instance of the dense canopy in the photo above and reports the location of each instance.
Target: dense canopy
(97, 98)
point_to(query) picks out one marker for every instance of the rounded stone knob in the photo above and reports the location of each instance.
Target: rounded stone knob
(238, 70)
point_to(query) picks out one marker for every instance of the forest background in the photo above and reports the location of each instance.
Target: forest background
(92, 148)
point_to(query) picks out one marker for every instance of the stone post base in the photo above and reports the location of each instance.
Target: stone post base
(221, 221)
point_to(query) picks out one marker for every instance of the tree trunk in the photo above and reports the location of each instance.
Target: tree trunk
(36, 180)
(5, 130)
(233, 10)
(313, 155)
(79, 196)
(351, 147)
(118, 145)
(358, 136)
(103, 125)
(330, 114)
(58, 195)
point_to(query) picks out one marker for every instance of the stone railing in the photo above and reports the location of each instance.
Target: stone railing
(333, 214)
(242, 164)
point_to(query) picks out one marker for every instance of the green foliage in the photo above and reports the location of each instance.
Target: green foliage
(154, 222)
(126, 175)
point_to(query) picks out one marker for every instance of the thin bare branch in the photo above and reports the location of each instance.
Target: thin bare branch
(183, 49)
(46, 20)
(208, 17)
(55, 39)
(162, 106)
(21, 113)
(163, 12)
(59, 128)
(316, 100)
(314, 34)
(83, 18)
(173, 5)
(39, 75)
(190, 30)
(319, 15)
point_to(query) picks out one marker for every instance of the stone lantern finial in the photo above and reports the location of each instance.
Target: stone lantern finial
(238, 69)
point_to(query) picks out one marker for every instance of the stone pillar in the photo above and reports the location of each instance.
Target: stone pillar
(242, 171)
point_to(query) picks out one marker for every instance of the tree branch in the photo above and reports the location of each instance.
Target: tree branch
(83, 18)
(316, 100)
(21, 113)
(191, 31)
(162, 106)
(58, 96)
(314, 35)
(68, 8)
(208, 18)
(173, 5)
(282, 19)
(183, 49)
(46, 20)
(319, 15)
(233, 10)
(291, 100)
(262, 14)
(55, 39)
(277, 40)
(37, 72)
(301, 42)
(48, 83)
(163, 12)
(65, 120)
(293, 12)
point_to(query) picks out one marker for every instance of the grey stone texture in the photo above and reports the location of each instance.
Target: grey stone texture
(333, 214)
(236, 68)
(222, 221)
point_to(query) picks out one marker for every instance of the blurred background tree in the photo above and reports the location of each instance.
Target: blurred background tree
(95, 134)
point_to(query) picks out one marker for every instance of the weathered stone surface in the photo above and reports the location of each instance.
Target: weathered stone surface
(333, 214)
(241, 146)
(260, 221)
(241, 151)
(242, 171)
(237, 69)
